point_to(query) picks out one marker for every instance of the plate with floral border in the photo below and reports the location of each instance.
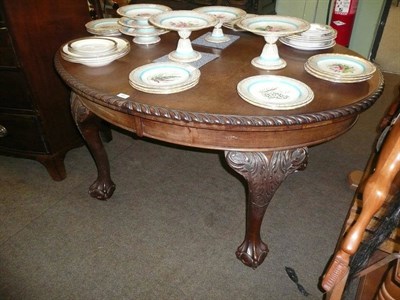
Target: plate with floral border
(343, 66)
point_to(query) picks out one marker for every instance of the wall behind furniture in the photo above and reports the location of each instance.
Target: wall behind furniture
(365, 25)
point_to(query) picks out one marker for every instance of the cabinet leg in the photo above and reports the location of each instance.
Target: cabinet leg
(89, 126)
(55, 166)
(264, 172)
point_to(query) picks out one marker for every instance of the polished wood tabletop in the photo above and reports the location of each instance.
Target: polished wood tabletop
(262, 145)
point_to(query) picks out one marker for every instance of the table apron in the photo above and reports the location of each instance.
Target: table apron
(224, 137)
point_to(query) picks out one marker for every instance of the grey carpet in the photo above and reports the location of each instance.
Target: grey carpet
(173, 224)
(388, 55)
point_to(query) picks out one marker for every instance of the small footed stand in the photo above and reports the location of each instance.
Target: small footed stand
(271, 28)
(223, 14)
(184, 22)
(269, 58)
(184, 51)
(217, 35)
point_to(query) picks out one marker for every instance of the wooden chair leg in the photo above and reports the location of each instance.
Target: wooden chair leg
(375, 192)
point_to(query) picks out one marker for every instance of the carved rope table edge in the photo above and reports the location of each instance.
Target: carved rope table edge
(131, 107)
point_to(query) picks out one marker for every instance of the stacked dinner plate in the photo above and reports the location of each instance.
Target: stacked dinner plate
(232, 23)
(95, 51)
(340, 68)
(164, 77)
(134, 22)
(275, 92)
(106, 27)
(318, 37)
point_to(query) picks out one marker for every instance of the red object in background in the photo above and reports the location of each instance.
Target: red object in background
(343, 15)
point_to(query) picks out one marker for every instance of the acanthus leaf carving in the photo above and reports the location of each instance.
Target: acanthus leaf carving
(264, 172)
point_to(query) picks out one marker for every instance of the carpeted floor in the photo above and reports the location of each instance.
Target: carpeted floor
(388, 55)
(171, 229)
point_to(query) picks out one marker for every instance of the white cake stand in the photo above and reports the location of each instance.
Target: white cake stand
(184, 22)
(224, 14)
(139, 26)
(271, 27)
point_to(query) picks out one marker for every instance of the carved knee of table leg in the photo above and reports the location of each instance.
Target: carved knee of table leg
(264, 172)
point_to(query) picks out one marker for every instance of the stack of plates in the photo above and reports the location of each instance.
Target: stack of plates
(164, 77)
(106, 27)
(275, 92)
(95, 51)
(134, 22)
(318, 37)
(340, 68)
(232, 23)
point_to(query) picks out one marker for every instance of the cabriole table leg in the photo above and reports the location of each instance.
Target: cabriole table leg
(264, 172)
(89, 126)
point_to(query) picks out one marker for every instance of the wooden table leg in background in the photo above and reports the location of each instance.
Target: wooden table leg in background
(89, 126)
(264, 172)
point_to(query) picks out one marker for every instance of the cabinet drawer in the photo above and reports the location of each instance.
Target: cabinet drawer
(8, 57)
(14, 90)
(21, 133)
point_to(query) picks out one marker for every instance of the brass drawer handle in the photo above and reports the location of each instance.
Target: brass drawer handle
(3, 131)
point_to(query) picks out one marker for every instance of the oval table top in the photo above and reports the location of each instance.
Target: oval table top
(212, 114)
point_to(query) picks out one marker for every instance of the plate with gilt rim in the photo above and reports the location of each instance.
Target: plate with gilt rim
(273, 25)
(183, 20)
(141, 11)
(106, 26)
(341, 65)
(318, 31)
(336, 79)
(308, 46)
(92, 46)
(275, 92)
(164, 76)
(132, 23)
(223, 13)
(135, 32)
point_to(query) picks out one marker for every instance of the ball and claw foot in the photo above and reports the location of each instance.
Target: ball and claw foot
(102, 190)
(252, 255)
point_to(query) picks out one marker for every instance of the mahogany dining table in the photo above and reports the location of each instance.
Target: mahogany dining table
(262, 145)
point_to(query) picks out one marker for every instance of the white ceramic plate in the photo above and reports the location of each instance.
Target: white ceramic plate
(183, 20)
(318, 31)
(164, 76)
(223, 13)
(308, 46)
(142, 32)
(123, 48)
(106, 26)
(275, 92)
(92, 46)
(141, 11)
(232, 24)
(273, 25)
(337, 79)
(132, 23)
(341, 65)
(165, 90)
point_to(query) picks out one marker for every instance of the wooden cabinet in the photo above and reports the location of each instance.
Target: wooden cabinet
(35, 118)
